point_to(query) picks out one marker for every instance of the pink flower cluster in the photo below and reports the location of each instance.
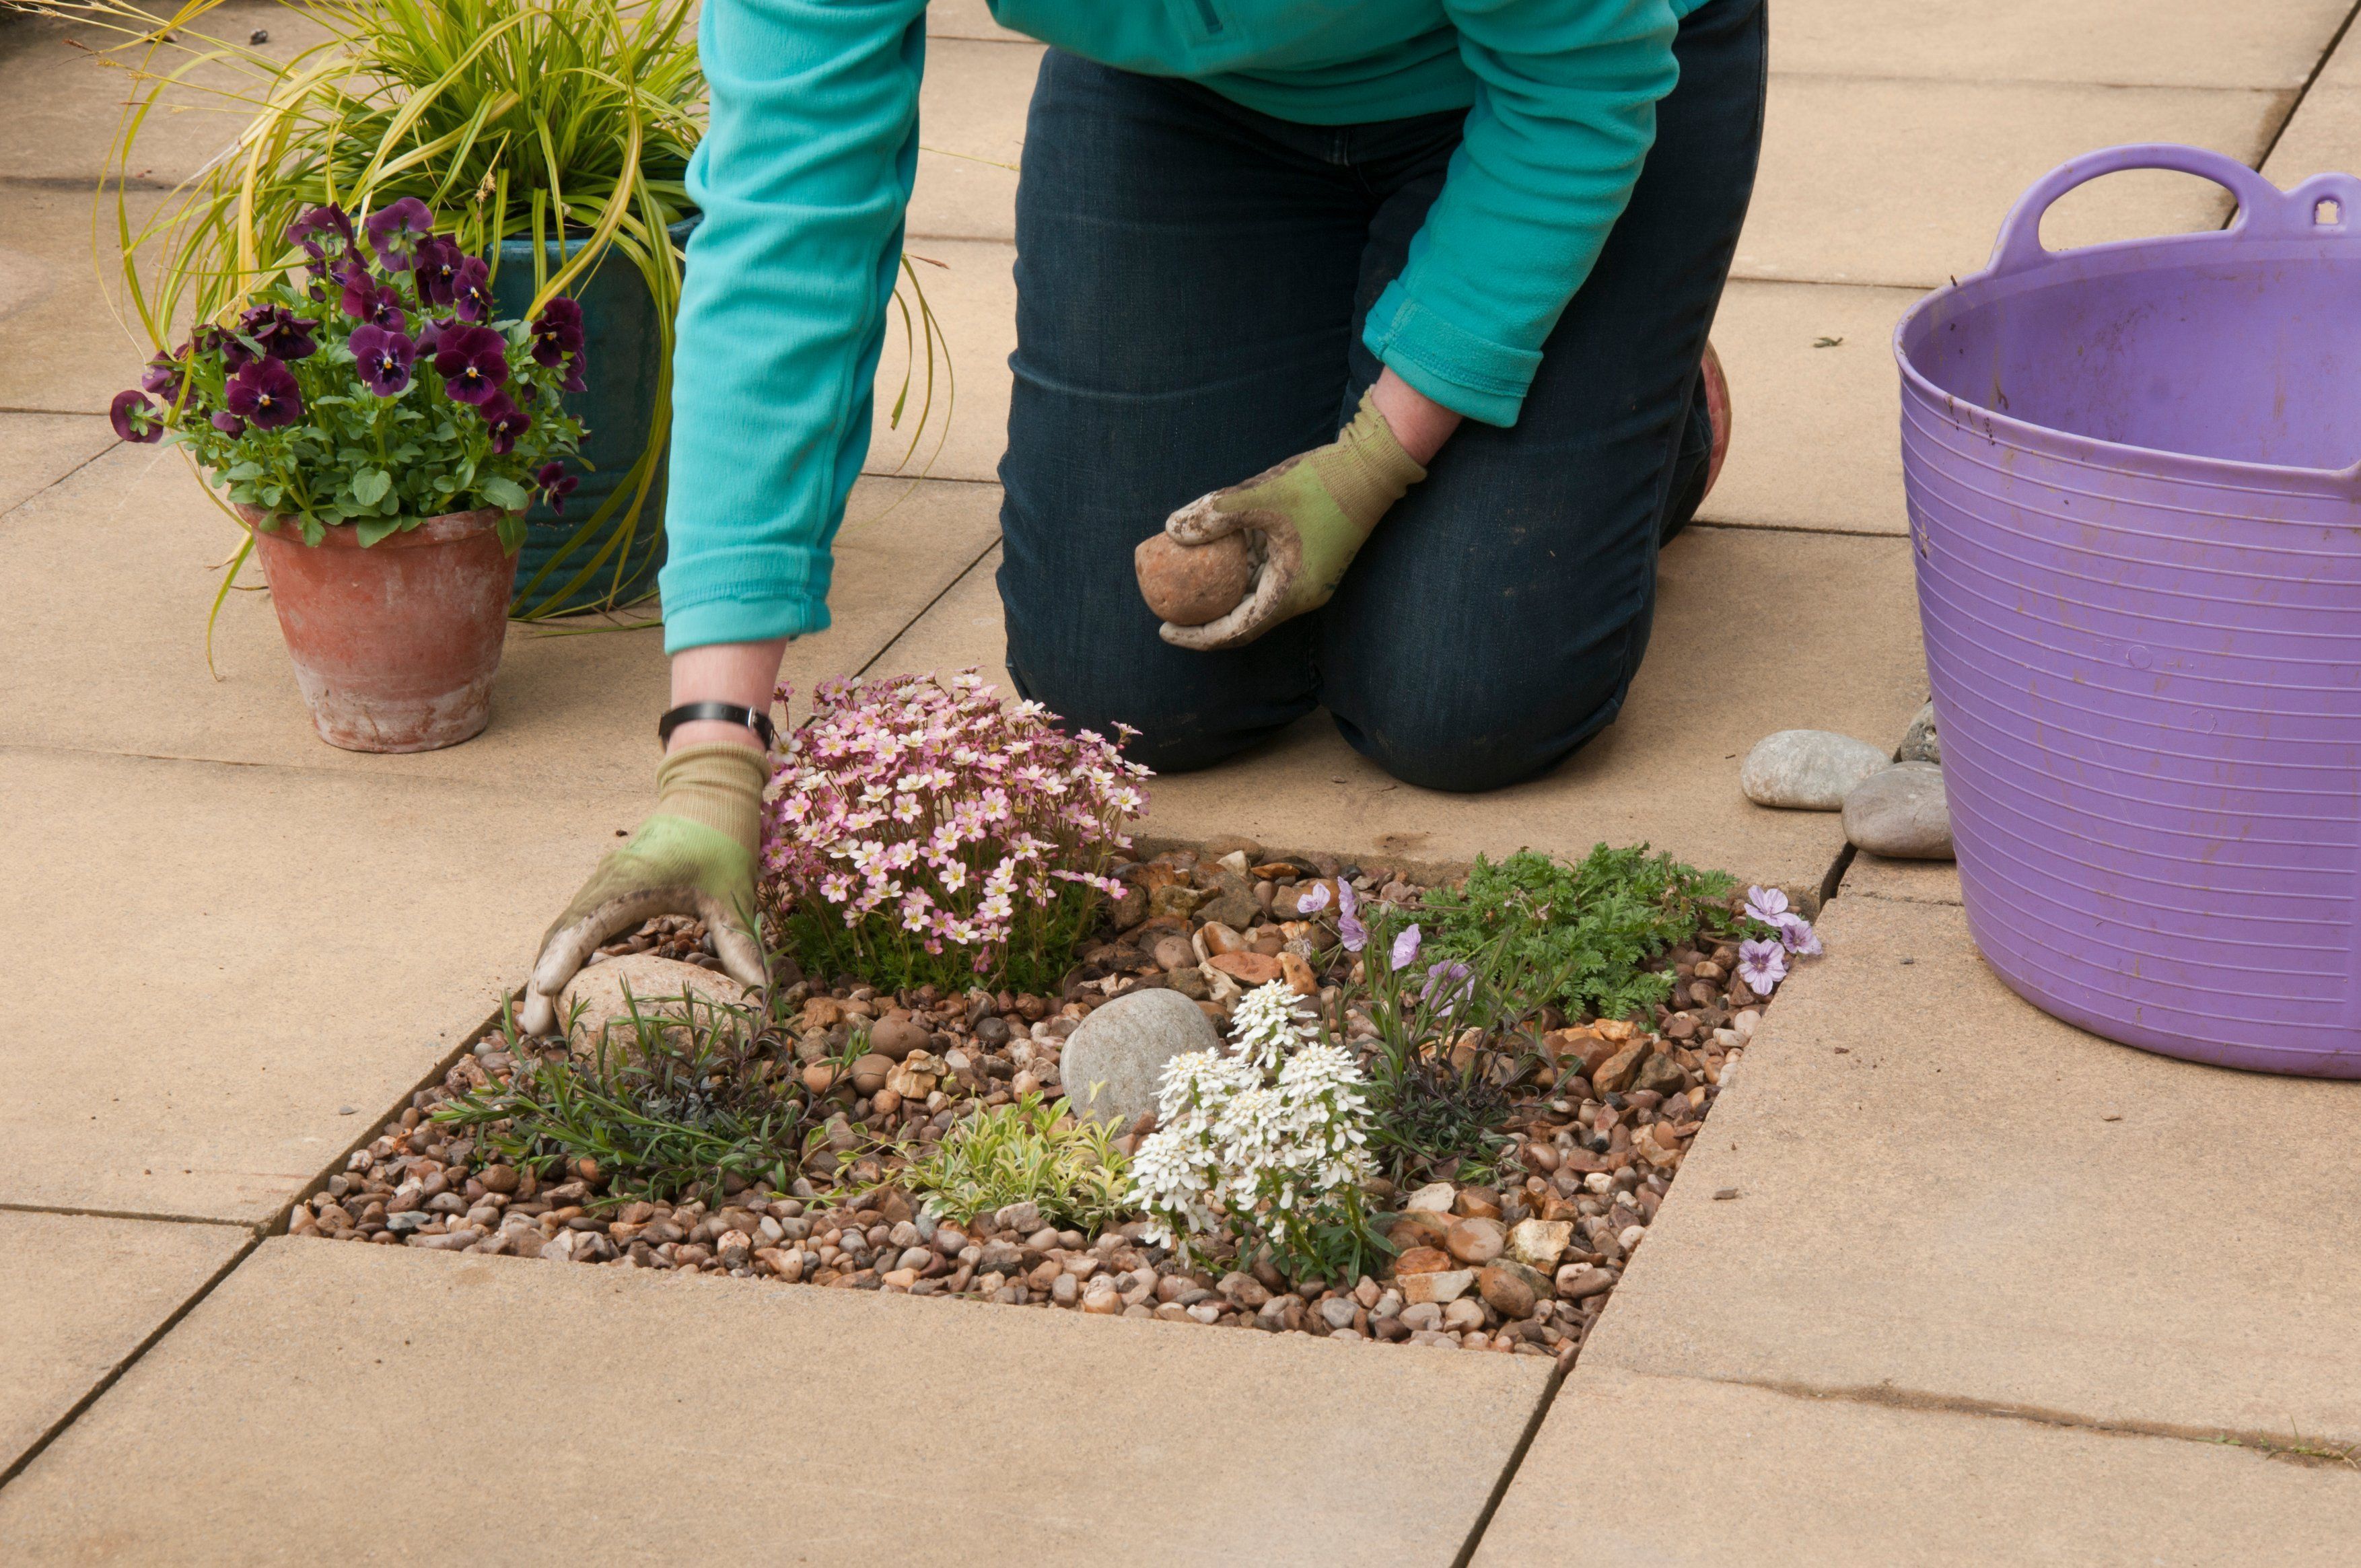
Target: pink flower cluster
(928, 808)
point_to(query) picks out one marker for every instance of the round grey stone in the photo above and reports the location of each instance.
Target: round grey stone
(1807, 770)
(1921, 743)
(1901, 813)
(1114, 1061)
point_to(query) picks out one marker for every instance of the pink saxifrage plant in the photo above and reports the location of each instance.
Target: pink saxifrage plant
(919, 832)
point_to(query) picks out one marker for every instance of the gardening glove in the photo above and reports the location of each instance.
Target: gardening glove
(1306, 519)
(694, 855)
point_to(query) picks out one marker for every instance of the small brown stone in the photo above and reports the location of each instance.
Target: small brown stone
(1477, 1240)
(869, 1072)
(895, 1039)
(1424, 1260)
(1250, 968)
(1190, 585)
(1505, 1292)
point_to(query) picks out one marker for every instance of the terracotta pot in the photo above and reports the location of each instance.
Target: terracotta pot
(394, 646)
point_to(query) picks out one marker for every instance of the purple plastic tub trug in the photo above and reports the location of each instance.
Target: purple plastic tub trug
(2135, 514)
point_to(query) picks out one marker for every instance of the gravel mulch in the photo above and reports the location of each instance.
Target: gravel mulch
(1521, 1263)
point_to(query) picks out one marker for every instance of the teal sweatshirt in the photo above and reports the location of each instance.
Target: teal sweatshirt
(806, 168)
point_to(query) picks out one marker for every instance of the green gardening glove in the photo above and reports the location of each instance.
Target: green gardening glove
(1307, 518)
(694, 855)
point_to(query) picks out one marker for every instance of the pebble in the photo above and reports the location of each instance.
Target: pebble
(1436, 1197)
(1114, 1061)
(1900, 812)
(1807, 770)
(895, 1039)
(1190, 585)
(1538, 1243)
(1920, 743)
(657, 987)
(1477, 1240)
(1441, 1286)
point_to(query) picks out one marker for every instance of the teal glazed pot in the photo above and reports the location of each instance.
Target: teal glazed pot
(623, 340)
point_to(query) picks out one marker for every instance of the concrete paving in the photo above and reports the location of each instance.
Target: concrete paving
(37, 450)
(1771, 1478)
(596, 1415)
(78, 1296)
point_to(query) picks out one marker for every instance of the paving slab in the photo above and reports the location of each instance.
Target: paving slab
(110, 654)
(37, 450)
(1773, 1478)
(971, 137)
(1944, 1193)
(1816, 407)
(966, 20)
(1919, 198)
(78, 1296)
(778, 1424)
(1915, 882)
(251, 950)
(2149, 43)
(61, 348)
(66, 84)
(973, 294)
(1833, 614)
(2324, 137)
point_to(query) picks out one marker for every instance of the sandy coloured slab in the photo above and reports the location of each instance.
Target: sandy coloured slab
(956, 427)
(37, 450)
(966, 20)
(1944, 1193)
(1816, 411)
(971, 108)
(2137, 43)
(2324, 137)
(123, 546)
(1845, 1484)
(1665, 773)
(1919, 196)
(78, 1296)
(1914, 881)
(623, 1416)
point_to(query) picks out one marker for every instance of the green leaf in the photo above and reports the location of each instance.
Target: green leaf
(505, 492)
(369, 486)
(371, 529)
(238, 471)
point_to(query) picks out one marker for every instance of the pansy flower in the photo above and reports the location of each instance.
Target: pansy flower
(363, 298)
(264, 393)
(135, 418)
(554, 484)
(385, 359)
(322, 223)
(228, 423)
(472, 360)
(162, 376)
(395, 230)
(280, 332)
(471, 290)
(436, 270)
(504, 420)
(557, 340)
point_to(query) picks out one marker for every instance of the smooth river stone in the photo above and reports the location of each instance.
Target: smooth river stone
(1901, 813)
(1807, 770)
(1113, 1064)
(1922, 744)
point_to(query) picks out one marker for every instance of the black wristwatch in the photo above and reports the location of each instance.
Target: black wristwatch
(754, 718)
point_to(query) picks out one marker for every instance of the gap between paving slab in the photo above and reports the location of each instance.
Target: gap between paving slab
(1947, 1196)
(1665, 773)
(570, 1397)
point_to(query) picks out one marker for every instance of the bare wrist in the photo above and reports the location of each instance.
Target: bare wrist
(1420, 423)
(746, 674)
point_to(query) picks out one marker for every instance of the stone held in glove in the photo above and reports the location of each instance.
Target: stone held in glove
(1191, 585)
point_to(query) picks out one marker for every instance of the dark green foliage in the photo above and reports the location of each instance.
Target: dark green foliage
(689, 1100)
(1430, 1112)
(1580, 934)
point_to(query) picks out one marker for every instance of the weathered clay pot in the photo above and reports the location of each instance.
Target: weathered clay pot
(394, 646)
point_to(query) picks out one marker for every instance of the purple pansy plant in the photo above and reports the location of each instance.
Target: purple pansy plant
(315, 405)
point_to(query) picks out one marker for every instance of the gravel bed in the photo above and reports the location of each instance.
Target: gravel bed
(1522, 1264)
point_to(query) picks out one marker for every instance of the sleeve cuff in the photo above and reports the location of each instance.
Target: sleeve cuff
(746, 600)
(1466, 374)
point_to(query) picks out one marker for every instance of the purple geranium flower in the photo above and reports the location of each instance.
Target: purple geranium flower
(1405, 951)
(1797, 935)
(555, 484)
(135, 418)
(385, 358)
(436, 270)
(1761, 964)
(282, 333)
(505, 421)
(393, 232)
(1766, 905)
(472, 360)
(471, 290)
(1314, 901)
(228, 423)
(1354, 935)
(264, 393)
(325, 222)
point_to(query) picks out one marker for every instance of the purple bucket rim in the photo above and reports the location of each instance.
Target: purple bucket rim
(2267, 218)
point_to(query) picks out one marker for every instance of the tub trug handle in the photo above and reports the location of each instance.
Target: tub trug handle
(2263, 207)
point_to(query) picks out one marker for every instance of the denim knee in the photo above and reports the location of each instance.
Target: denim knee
(1464, 753)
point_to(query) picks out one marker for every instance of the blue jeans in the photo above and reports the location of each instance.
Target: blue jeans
(1191, 278)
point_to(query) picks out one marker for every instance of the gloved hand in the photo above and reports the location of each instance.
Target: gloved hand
(694, 855)
(1309, 516)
